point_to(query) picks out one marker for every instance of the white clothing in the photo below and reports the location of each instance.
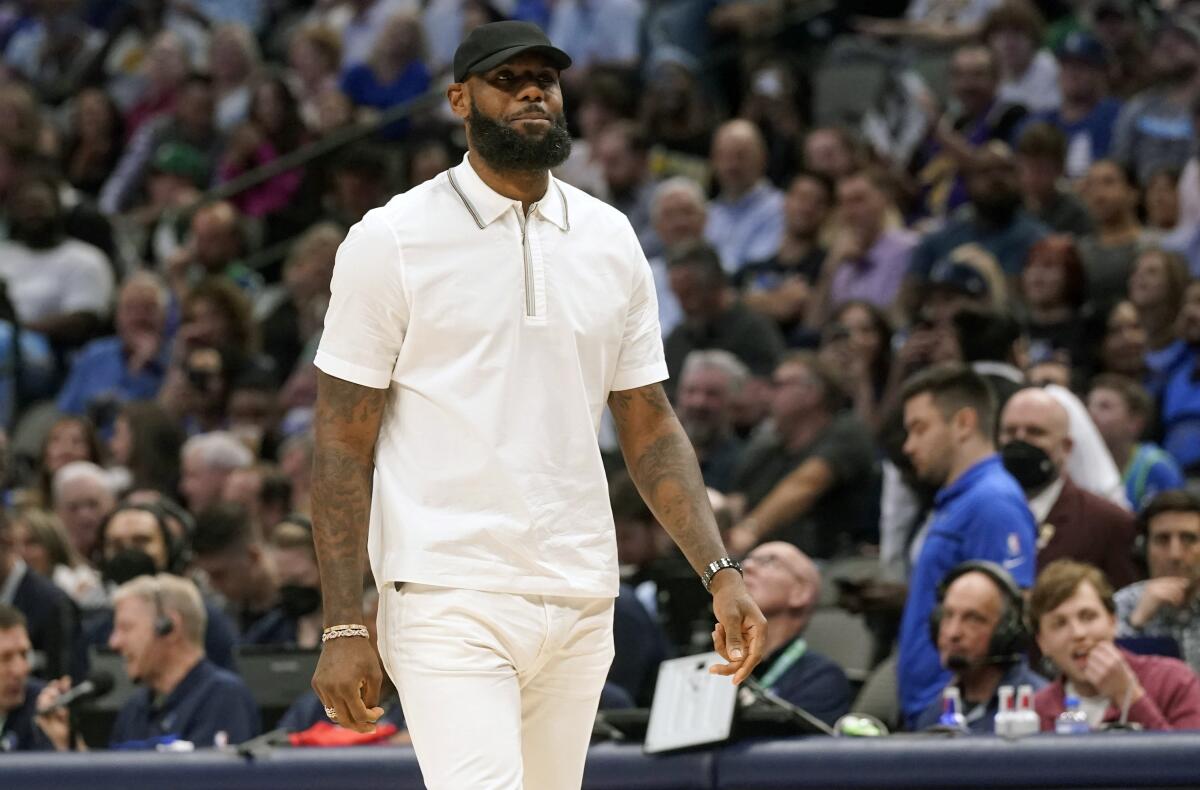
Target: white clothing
(1090, 465)
(957, 13)
(499, 339)
(1043, 503)
(499, 691)
(72, 276)
(1037, 89)
(596, 31)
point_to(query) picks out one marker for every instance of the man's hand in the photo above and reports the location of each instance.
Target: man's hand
(55, 725)
(347, 679)
(1157, 592)
(1107, 670)
(741, 630)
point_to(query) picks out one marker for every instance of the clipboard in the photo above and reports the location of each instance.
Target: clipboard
(691, 706)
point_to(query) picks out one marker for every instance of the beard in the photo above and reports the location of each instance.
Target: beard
(504, 148)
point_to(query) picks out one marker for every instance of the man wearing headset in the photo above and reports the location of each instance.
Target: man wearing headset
(980, 636)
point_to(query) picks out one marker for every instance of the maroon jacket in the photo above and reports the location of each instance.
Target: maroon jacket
(1088, 528)
(1171, 701)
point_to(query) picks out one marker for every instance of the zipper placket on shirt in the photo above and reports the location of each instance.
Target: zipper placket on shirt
(530, 295)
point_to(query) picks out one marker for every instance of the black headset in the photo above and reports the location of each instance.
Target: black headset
(163, 625)
(177, 555)
(1009, 638)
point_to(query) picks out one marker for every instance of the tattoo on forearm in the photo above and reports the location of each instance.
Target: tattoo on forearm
(347, 423)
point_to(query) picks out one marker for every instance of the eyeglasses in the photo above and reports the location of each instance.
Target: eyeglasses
(770, 561)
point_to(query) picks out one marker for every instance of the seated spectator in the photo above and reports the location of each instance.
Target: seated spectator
(1154, 129)
(1168, 603)
(40, 539)
(1157, 286)
(83, 496)
(263, 491)
(159, 626)
(714, 318)
(59, 286)
(781, 286)
(994, 220)
(622, 152)
(1119, 26)
(51, 618)
(359, 179)
(146, 444)
(207, 461)
(956, 144)
(856, 345)
(314, 55)
(1108, 253)
(215, 248)
(234, 61)
(1161, 200)
(1014, 31)
(675, 111)
(93, 141)
(868, 260)
(1053, 289)
(1122, 411)
(69, 439)
(1073, 616)
(979, 629)
(786, 586)
(273, 130)
(252, 410)
(1035, 444)
(217, 314)
(394, 73)
(640, 646)
(135, 540)
(979, 512)
(129, 365)
(1123, 347)
(1088, 111)
(708, 385)
(21, 729)
(1041, 149)
(592, 38)
(807, 481)
(1181, 394)
(745, 220)
(164, 69)
(46, 50)
(296, 619)
(679, 211)
(832, 153)
(229, 548)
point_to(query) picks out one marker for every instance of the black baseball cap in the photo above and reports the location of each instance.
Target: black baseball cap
(1082, 47)
(487, 46)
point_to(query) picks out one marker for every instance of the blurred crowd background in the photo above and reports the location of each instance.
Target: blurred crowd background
(833, 196)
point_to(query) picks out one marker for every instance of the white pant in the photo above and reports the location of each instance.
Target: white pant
(499, 691)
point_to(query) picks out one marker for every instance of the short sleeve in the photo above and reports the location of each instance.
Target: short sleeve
(89, 283)
(847, 448)
(641, 360)
(368, 309)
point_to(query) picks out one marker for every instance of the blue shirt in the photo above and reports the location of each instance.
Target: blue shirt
(37, 370)
(363, 88)
(1150, 472)
(99, 374)
(980, 516)
(1009, 245)
(747, 229)
(981, 719)
(1088, 139)
(208, 700)
(813, 683)
(1181, 413)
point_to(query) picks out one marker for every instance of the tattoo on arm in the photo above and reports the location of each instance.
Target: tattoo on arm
(663, 465)
(347, 423)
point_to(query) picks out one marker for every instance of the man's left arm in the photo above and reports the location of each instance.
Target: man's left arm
(663, 465)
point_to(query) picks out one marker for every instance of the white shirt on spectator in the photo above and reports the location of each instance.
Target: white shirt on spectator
(71, 277)
(596, 31)
(956, 13)
(499, 358)
(359, 34)
(1037, 89)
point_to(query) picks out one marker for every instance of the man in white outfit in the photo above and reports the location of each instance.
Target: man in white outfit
(478, 325)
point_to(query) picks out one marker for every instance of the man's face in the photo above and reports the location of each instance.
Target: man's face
(1117, 425)
(973, 79)
(297, 567)
(133, 637)
(1080, 82)
(1173, 545)
(216, 238)
(698, 296)
(970, 612)
(139, 312)
(230, 572)
(825, 152)
(1174, 57)
(623, 167)
(805, 207)
(135, 530)
(195, 110)
(930, 441)
(200, 483)
(1033, 416)
(82, 506)
(737, 160)
(14, 667)
(514, 115)
(679, 218)
(1106, 192)
(994, 183)
(705, 394)
(775, 579)
(1068, 633)
(1039, 175)
(861, 205)
(796, 392)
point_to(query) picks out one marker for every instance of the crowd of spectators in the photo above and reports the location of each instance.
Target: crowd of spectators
(928, 277)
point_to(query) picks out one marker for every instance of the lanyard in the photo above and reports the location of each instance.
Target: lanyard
(794, 653)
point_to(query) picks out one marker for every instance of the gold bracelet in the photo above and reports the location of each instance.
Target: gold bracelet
(346, 629)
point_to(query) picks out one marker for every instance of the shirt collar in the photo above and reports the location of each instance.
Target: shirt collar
(966, 479)
(195, 676)
(1043, 503)
(8, 591)
(486, 205)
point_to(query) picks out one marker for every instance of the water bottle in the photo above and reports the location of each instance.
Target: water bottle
(952, 715)
(1002, 723)
(1073, 720)
(1025, 720)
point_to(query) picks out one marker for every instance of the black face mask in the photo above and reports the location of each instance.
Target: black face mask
(128, 564)
(1030, 465)
(297, 601)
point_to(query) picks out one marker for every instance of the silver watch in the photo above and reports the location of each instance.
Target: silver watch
(714, 567)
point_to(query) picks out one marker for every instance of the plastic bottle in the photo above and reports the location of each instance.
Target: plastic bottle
(952, 715)
(1002, 724)
(1073, 720)
(1024, 720)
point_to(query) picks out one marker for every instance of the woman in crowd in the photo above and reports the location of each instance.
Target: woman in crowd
(92, 142)
(1156, 288)
(40, 539)
(1053, 288)
(69, 439)
(274, 129)
(146, 442)
(857, 343)
(395, 72)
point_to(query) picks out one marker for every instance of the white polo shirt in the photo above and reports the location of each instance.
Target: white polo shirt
(499, 339)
